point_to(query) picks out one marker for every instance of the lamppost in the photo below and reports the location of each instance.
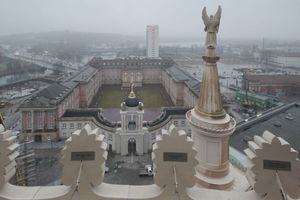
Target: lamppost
(49, 139)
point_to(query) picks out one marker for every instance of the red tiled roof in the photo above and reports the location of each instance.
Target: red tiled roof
(274, 78)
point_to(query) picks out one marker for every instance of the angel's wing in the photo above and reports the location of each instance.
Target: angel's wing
(217, 16)
(204, 16)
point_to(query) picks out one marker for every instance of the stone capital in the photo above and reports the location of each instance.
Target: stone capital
(209, 59)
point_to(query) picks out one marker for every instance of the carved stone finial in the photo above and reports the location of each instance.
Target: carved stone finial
(84, 151)
(8, 154)
(174, 165)
(275, 169)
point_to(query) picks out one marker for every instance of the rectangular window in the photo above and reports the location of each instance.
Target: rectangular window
(64, 126)
(51, 120)
(71, 125)
(176, 123)
(110, 137)
(39, 119)
(78, 125)
(153, 136)
(29, 120)
(182, 123)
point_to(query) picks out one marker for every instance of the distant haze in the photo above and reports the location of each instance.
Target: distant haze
(176, 18)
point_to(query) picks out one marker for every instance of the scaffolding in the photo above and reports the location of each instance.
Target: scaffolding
(26, 165)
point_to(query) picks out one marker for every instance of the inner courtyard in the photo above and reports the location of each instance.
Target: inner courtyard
(152, 96)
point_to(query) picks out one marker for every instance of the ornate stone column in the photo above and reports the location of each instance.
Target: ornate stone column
(211, 128)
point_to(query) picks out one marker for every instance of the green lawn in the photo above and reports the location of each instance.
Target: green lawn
(111, 99)
(152, 96)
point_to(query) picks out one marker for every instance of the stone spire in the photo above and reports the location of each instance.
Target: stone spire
(211, 126)
(210, 100)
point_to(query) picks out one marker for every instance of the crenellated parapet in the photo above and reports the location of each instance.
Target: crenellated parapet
(275, 170)
(174, 160)
(273, 174)
(86, 151)
(84, 158)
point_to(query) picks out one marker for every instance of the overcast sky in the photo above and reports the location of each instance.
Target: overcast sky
(240, 18)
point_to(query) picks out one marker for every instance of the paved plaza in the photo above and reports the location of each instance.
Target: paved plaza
(125, 169)
(122, 169)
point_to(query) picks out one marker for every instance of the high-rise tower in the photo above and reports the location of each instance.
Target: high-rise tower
(152, 39)
(211, 125)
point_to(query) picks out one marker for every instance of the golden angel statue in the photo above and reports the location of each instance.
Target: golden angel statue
(211, 27)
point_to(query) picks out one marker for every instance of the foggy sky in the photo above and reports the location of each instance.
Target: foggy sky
(177, 18)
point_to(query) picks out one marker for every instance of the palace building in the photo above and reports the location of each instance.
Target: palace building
(44, 113)
(130, 135)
